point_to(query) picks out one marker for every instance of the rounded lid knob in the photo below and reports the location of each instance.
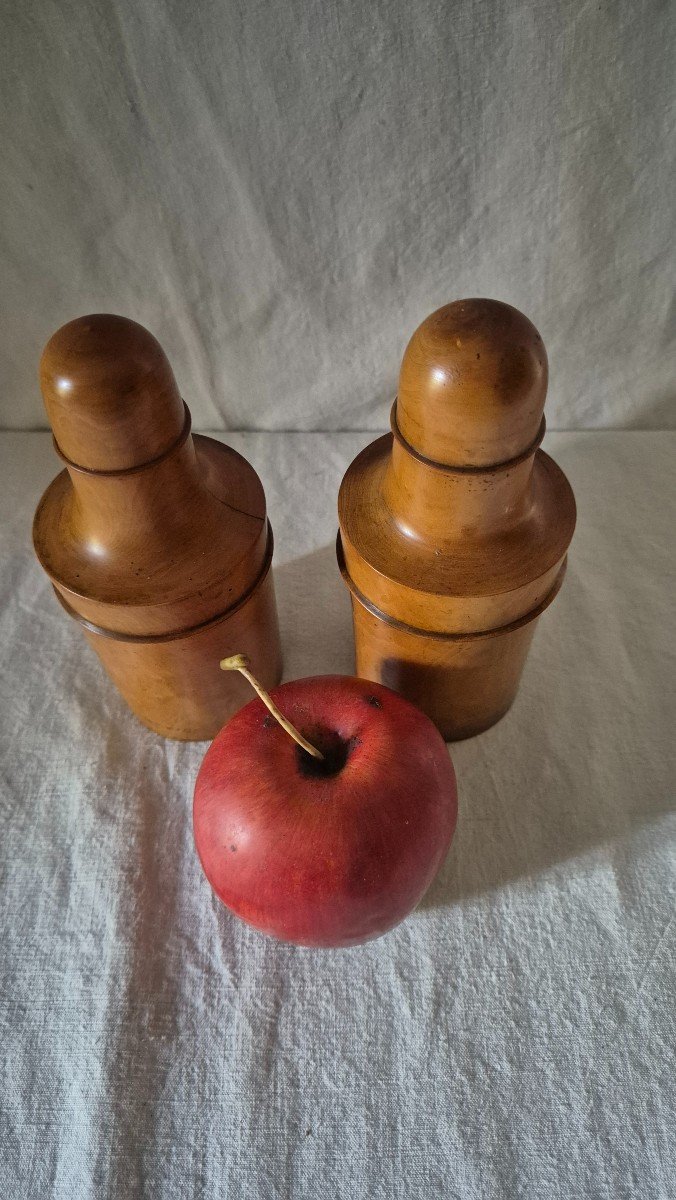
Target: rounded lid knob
(110, 393)
(472, 384)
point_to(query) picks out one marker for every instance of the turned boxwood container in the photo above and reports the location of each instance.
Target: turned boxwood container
(156, 541)
(454, 528)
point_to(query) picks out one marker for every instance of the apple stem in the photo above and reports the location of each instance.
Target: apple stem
(239, 662)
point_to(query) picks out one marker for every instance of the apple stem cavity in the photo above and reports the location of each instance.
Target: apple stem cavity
(239, 662)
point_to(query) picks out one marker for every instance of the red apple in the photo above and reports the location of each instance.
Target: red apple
(331, 852)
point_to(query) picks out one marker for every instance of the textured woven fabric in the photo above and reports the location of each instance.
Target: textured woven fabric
(513, 1038)
(282, 192)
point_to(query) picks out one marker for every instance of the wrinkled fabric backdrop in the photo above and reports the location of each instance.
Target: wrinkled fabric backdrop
(282, 192)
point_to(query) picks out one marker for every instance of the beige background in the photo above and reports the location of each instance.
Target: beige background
(281, 192)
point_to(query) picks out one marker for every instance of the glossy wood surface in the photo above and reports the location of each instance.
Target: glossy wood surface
(449, 679)
(472, 384)
(157, 541)
(110, 393)
(450, 560)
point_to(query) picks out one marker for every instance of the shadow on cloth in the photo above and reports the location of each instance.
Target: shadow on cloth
(314, 616)
(521, 808)
(585, 697)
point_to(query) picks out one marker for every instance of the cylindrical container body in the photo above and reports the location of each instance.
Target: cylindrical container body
(175, 685)
(464, 684)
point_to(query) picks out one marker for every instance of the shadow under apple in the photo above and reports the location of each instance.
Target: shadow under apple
(522, 809)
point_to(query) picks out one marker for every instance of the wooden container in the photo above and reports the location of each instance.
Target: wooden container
(454, 528)
(155, 540)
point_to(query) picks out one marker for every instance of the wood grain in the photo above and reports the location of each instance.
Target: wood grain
(454, 528)
(157, 541)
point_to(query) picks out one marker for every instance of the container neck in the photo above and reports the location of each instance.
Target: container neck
(445, 505)
(146, 506)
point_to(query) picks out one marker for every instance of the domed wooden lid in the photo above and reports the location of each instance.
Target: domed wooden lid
(110, 393)
(472, 384)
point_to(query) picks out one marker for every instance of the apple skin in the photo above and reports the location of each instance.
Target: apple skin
(325, 859)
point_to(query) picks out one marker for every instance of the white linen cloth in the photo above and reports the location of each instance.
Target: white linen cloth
(282, 192)
(513, 1038)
